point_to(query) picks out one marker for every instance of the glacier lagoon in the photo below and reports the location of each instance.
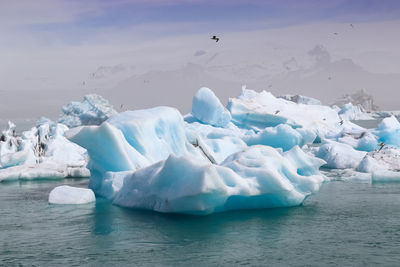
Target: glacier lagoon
(328, 227)
(346, 223)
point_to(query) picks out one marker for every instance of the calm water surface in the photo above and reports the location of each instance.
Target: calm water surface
(345, 224)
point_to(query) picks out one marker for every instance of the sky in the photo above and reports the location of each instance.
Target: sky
(56, 44)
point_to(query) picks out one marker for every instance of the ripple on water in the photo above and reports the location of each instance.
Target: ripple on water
(344, 224)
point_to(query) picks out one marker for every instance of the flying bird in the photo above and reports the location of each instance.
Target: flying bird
(335, 33)
(341, 122)
(351, 25)
(215, 38)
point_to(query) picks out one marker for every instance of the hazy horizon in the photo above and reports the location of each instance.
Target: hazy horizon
(147, 53)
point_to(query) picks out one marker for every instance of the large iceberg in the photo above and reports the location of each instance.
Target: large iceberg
(154, 159)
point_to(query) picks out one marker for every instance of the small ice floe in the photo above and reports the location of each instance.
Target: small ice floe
(71, 195)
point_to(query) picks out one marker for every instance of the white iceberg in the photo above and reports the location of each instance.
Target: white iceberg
(41, 153)
(257, 111)
(71, 195)
(339, 155)
(351, 112)
(93, 110)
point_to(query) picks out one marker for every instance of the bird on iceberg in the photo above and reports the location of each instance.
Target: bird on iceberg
(215, 38)
(381, 145)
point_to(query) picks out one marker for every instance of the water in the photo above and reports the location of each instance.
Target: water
(345, 224)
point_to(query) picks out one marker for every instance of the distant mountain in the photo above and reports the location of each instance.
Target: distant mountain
(322, 78)
(360, 98)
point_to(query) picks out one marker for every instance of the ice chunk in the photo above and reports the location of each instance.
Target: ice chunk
(339, 155)
(207, 108)
(350, 112)
(42, 152)
(71, 195)
(387, 158)
(388, 131)
(259, 177)
(47, 170)
(93, 110)
(260, 110)
(282, 136)
(368, 142)
(385, 176)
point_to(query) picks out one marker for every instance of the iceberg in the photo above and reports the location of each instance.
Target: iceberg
(388, 131)
(71, 195)
(339, 156)
(40, 153)
(93, 110)
(351, 112)
(258, 111)
(259, 177)
(156, 159)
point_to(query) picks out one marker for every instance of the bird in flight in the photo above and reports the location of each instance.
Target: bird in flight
(341, 122)
(215, 38)
(351, 25)
(335, 33)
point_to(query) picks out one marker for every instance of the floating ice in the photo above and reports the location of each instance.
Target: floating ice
(351, 112)
(93, 110)
(207, 108)
(387, 158)
(260, 110)
(71, 195)
(259, 177)
(339, 155)
(388, 131)
(42, 152)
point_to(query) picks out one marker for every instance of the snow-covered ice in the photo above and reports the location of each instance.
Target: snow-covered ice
(93, 110)
(41, 153)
